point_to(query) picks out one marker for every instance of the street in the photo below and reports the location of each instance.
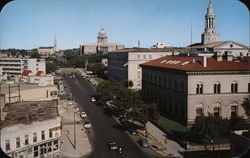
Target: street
(103, 130)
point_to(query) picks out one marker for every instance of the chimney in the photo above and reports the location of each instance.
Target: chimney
(229, 56)
(218, 56)
(193, 61)
(204, 61)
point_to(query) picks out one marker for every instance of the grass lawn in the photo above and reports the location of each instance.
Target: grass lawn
(171, 126)
(98, 79)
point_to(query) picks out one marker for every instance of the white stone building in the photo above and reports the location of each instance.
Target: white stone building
(124, 64)
(210, 39)
(31, 130)
(15, 66)
(102, 45)
(186, 87)
(48, 50)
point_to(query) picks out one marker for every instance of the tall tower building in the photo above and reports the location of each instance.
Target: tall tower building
(55, 47)
(210, 34)
(102, 37)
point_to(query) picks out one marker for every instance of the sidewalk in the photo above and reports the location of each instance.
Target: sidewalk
(168, 147)
(83, 146)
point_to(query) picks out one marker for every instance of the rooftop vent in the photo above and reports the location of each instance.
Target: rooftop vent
(185, 63)
(163, 61)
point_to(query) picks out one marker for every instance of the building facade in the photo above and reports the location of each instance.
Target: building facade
(186, 87)
(102, 45)
(48, 50)
(15, 66)
(124, 64)
(210, 39)
(31, 129)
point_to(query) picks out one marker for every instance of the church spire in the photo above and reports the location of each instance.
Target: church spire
(210, 34)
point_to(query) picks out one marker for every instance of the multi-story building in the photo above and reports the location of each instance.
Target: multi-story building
(185, 87)
(15, 66)
(124, 64)
(102, 45)
(210, 39)
(31, 129)
(48, 50)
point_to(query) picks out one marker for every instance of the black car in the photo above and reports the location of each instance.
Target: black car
(112, 145)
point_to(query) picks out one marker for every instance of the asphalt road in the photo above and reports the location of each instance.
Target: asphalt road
(103, 130)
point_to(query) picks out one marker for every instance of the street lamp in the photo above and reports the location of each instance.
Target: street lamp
(75, 129)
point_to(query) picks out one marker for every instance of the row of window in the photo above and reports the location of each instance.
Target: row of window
(144, 57)
(217, 111)
(26, 139)
(164, 82)
(217, 88)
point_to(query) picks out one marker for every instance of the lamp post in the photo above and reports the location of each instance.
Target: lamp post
(75, 129)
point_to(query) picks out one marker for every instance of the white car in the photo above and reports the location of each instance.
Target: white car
(83, 114)
(87, 125)
(93, 99)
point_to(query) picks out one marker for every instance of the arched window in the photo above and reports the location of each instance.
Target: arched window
(199, 88)
(234, 110)
(217, 87)
(217, 111)
(234, 87)
(199, 111)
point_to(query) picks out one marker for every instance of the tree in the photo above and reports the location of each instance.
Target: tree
(98, 69)
(51, 67)
(35, 55)
(209, 128)
(246, 106)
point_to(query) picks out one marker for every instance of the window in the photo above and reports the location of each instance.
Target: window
(34, 137)
(234, 87)
(199, 88)
(216, 111)
(26, 139)
(150, 57)
(36, 151)
(55, 145)
(144, 57)
(43, 135)
(50, 133)
(233, 110)
(17, 142)
(199, 112)
(217, 87)
(182, 86)
(7, 145)
(248, 87)
(138, 57)
(175, 85)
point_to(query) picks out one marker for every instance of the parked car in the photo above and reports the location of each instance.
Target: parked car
(87, 124)
(144, 143)
(83, 114)
(93, 99)
(112, 145)
(132, 130)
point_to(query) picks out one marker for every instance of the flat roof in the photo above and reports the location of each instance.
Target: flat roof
(28, 112)
(4, 88)
(125, 50)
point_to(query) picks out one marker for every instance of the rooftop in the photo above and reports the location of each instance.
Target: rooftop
(28, 112)
(170, 49)
(188, 63)
(4, 88)
(212, 44)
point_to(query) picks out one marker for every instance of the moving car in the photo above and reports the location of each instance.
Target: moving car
(83, 114)
(144, 143)
(112, 146)
(87, 124)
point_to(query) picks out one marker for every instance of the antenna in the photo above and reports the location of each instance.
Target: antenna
(191, 33)
(139, 43)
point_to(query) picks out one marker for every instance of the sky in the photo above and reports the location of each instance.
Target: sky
(27, 24)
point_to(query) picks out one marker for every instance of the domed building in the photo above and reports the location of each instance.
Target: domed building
(102, 45)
